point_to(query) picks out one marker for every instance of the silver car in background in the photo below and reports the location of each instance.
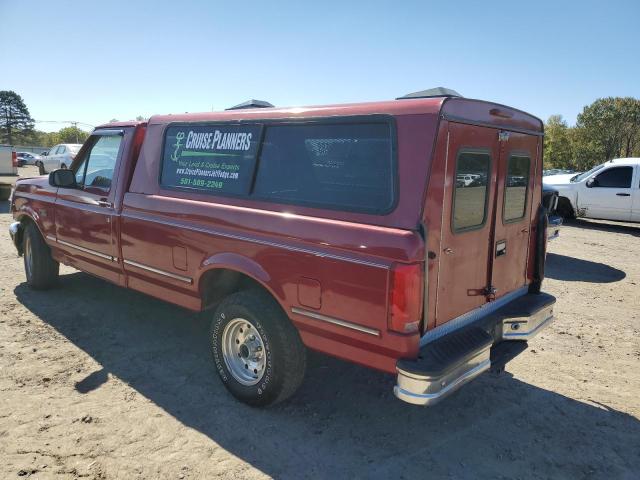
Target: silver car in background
(28, 158)
(60, 156)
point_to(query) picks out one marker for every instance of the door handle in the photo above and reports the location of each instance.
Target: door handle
(103, 203)
(623, 194)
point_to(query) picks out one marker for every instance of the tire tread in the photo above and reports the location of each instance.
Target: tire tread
(46, 270)
(284, 336)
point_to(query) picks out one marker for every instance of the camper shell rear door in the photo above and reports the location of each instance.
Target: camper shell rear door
(490, 169)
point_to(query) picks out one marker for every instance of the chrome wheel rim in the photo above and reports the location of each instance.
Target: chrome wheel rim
(243, 351)
(28, 257)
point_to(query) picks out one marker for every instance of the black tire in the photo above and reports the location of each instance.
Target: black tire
(565, 210)
(41, 169)
(63, 166)
(284, 354)
(41, 269)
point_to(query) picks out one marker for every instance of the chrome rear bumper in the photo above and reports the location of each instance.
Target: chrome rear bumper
(447, 363)
(526, 327)
(428, 390)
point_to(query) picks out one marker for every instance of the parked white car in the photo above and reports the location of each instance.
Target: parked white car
(8, 170)
(610, 191)
(467, 178)
(59, 156)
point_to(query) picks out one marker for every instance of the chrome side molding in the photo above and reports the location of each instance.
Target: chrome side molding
(83, 249)
(335, 321)
(142, 266)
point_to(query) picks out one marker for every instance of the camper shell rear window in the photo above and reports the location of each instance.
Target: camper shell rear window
(344, 164)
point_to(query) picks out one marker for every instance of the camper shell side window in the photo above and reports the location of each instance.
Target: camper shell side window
(346, 164)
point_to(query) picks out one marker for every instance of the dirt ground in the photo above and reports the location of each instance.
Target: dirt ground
(98, 382)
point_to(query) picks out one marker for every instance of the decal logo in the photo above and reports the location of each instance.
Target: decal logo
(176, 152)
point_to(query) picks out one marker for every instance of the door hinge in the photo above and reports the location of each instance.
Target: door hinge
(503, 136)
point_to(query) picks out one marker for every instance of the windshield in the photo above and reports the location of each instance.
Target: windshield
(75, 148)
(582, 176)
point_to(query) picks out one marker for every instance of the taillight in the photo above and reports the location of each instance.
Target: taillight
(406, 297)
(14, 159)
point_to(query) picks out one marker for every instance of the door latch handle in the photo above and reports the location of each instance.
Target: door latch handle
(448, 251)
(103, 203)
(623, 194)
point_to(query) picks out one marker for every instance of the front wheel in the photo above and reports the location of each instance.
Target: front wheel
(564, 209)
(63, 166)
(41, 169)
(41, 269)
(256, 350)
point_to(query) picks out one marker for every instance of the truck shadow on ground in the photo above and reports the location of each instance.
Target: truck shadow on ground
(562, 267)
(604, 226)
(344, 422)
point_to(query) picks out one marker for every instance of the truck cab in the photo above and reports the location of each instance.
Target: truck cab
(407, 236)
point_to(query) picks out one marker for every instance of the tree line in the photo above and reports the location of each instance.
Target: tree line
(17, 125)
(608, 128)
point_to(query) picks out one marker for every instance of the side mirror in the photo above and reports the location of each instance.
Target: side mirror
(63, 178)
(592, 182)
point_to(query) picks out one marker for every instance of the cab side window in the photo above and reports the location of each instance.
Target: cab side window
(617, 177)
(96, 168)
(471, 190)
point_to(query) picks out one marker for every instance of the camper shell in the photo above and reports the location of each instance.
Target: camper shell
(407, 236)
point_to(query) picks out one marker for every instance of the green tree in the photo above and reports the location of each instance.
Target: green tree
(609, 128)
(15, 121)
(557, 143)
(72, 135)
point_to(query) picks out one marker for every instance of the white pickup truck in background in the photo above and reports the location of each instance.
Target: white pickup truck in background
(8, 170)
(610, 191)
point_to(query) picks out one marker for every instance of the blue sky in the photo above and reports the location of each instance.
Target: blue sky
(93, 61)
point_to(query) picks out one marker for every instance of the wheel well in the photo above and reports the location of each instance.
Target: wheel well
(219, 283)
(564, 207)
(24, 221)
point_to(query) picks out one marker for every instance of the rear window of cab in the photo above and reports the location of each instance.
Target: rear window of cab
(341, 165)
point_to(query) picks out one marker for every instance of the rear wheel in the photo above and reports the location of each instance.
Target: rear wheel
(40, 268)
(256, 350)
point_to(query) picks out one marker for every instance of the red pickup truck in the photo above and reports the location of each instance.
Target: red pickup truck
(406, 235)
